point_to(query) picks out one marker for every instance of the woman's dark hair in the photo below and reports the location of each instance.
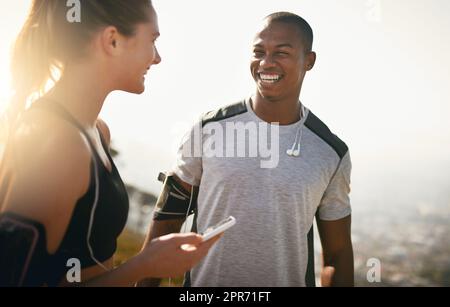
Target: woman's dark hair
(49, 39)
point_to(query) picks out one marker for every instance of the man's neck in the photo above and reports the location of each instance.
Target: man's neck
(284, 112)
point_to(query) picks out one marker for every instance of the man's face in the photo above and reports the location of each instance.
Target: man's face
(279, 61)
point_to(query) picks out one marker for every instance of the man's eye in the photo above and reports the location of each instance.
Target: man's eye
(258, 52)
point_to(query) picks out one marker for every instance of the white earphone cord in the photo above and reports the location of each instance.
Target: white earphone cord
(94, 207)
(298, 140)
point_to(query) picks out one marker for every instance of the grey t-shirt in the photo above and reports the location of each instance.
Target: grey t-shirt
(274, 205)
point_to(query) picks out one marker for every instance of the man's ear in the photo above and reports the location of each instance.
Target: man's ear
(111, 40)
(310, 60)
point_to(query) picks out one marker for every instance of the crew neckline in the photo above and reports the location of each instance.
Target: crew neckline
(282, 128)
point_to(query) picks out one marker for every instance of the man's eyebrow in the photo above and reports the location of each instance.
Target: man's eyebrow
(285, 45)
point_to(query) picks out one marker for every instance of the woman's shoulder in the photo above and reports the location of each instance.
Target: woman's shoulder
(49, 142)
(50, 167)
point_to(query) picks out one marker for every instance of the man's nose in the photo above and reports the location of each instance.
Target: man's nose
(267, 61)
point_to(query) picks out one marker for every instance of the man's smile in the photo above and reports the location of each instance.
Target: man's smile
(269, 78)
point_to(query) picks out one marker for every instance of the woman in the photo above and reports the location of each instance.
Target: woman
(61, 196)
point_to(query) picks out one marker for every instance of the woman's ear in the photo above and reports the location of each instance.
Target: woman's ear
(111, 40)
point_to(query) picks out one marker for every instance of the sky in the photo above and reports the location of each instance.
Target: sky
(381, 82)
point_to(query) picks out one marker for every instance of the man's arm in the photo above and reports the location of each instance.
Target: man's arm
(337, 250)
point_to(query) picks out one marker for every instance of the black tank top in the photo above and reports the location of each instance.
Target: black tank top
(108, 218)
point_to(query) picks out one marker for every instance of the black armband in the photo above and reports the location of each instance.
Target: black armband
(174, 202)
(23, 251)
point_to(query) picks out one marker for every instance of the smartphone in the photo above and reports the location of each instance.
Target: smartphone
(213, 231)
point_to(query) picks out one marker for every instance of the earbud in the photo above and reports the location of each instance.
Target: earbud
(291, 152)
(296, 152)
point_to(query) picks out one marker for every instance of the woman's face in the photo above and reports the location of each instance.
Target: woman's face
(139, 55)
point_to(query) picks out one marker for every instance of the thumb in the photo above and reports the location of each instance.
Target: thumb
(212, 241)
(187, 238)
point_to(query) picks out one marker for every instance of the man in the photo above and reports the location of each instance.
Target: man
(274, 205)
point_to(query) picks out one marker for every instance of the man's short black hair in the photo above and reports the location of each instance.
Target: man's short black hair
(303, 26)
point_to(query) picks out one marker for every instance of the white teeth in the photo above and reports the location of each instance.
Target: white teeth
(269, 78)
